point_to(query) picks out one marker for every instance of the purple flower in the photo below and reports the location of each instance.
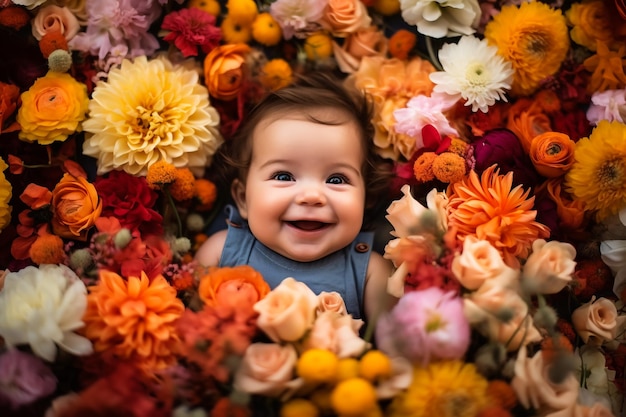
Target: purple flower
(24, 379)
(425, 325)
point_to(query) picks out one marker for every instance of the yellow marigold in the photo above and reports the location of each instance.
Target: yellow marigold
(276, 74)
(159, 174)
(449, 167)
(443, 389)
(591, 21)
(184, 188)
(266, 30)
(234, 32)
(206, 193)
(52, 108)
(47, 249)
(600, 160)
(318, 45)
(533, 38)
(607, 68)
(134, 319)
(423, 167)
(210, 6)
(6, 192)
(242, 12)
(490, 209)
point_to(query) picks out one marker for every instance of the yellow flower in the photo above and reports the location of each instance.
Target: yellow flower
(276, 74)
(52, 109)
(443, 389)
(533, 38)
(591, 21)
(600, 160)
(234, 32)
(210, 6)
(266, 30)
(318, 46)
(6, 192)
(242, 12)
(149, 111)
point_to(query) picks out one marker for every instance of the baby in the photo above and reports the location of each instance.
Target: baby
(304, 174)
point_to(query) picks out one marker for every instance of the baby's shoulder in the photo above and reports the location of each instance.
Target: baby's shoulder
(210, 251)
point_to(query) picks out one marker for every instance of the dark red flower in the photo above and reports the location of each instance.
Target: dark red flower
(191, 29)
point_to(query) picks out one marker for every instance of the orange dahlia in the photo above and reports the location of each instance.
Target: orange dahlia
(134, 319)
(490, 209)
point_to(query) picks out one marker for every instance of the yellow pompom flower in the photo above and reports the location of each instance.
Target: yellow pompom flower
(266, 30)
(354, 396)
(317, 365)
(276, 74)
(386, 7)
(209, 6)
(443, 389)
(534, 38)
(234, 32)
(52, 108)
(347, 368)
(318, 46)
(242, 12)
(299, 407)
(6, 192)
(600, 160)
(374, 365)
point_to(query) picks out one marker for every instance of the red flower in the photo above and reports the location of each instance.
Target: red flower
(192, 28)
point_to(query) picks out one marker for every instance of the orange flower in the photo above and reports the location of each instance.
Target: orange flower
(9, 100)
(238, 286)
(552, 153)
(423, 167)
(52, 41)
(134, 319)
(160, 173)
(591, 22)
(502, 394)
(607, 68)
(571, 213)
(35, 196)
(401, 43)
(275, 74)
(206, 193)
(76, 207)
(224, 70)
(47, 249)
(527, 121)
(490, 209)
(449, 167)
(184, 187)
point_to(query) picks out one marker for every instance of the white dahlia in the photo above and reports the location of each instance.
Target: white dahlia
(442, 18)
(148, 111)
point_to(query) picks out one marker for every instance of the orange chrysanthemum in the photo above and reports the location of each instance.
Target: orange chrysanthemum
(134, 319)
(490, 209)
(184, 187)
(47, 249)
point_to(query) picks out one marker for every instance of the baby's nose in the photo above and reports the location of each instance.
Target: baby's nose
(311, 194)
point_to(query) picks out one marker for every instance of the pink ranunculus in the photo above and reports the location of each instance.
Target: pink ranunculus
(597, 321)
(331, 301)
(424, 326)
(550, 266)
(288, 311)
(336, 333)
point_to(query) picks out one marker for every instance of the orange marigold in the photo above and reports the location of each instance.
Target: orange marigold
(160, 173)
(134, 319)
(206, 193)
(401, 43)
(449, 167)
(184, 187)
(490, 209)
(502, 393)
(423, 167)
(47, 249)
(52, 41)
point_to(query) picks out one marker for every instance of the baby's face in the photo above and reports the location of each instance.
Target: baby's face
(304, 195)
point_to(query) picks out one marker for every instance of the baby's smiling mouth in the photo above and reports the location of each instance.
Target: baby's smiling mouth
(308, 225)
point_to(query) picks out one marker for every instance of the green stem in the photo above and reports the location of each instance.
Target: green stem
(431, 53)
(167, 193)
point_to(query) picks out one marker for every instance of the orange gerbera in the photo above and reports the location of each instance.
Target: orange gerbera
(134, 319)
(490, 209)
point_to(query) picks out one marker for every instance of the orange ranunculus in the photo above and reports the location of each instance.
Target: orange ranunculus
(52, 109)
(527, 121)
(9, 100)
(552, 153)
(570, 212)
(224, 70)
(237, 286)
(76, 207)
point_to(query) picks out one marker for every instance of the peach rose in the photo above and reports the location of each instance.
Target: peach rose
(55, 19)
(236, 287)
(552, 153)
(550, 266)
(331, 301)
(267, 369)
(337, 333)
(596, 322)
(224, 73)
(287, 312)
(343, 17)
(409, 217)
(479, 262)
(535, 389)
(76, 207)
(369, 41)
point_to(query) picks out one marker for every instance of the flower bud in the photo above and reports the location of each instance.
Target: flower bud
(80, 259)
(122, 238)
(182, 245)
(60, 60)
(195, 222)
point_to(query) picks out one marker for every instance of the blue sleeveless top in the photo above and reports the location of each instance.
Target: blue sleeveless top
(343, 271)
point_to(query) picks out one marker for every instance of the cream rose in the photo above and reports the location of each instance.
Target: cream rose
(343, 17)
(267, 369)
(596, 322)
(331, 301)
(409, 217)
(479, 262)
(549, 267)
(337, 333)
(55, 19)
(287, 312)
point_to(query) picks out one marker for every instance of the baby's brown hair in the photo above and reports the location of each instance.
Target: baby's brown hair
(316, 91)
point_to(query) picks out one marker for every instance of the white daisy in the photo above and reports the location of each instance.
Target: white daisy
(473, 71)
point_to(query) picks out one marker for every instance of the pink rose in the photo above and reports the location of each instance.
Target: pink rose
(549, 267)
(369, 41)
(596, 322)
(331, 301)
(267, 369)
(55, 19)
(535, 389)
(478, 263)
(287, 312)
(337, 333)
(343, 17)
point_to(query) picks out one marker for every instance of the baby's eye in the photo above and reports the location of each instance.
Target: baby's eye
(338, 179)
(282, 176)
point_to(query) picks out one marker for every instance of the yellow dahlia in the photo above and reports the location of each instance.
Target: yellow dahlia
(533, 38)
(600, 161)
(134, 319)
(5, 196)
(443, 389)
(149, 111)
(490, 209)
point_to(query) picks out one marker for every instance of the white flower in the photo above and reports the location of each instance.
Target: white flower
(474, 71)
(43, 307)
(29, 4)
(441, 18)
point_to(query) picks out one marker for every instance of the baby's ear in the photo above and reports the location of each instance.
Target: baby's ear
(238, 191)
